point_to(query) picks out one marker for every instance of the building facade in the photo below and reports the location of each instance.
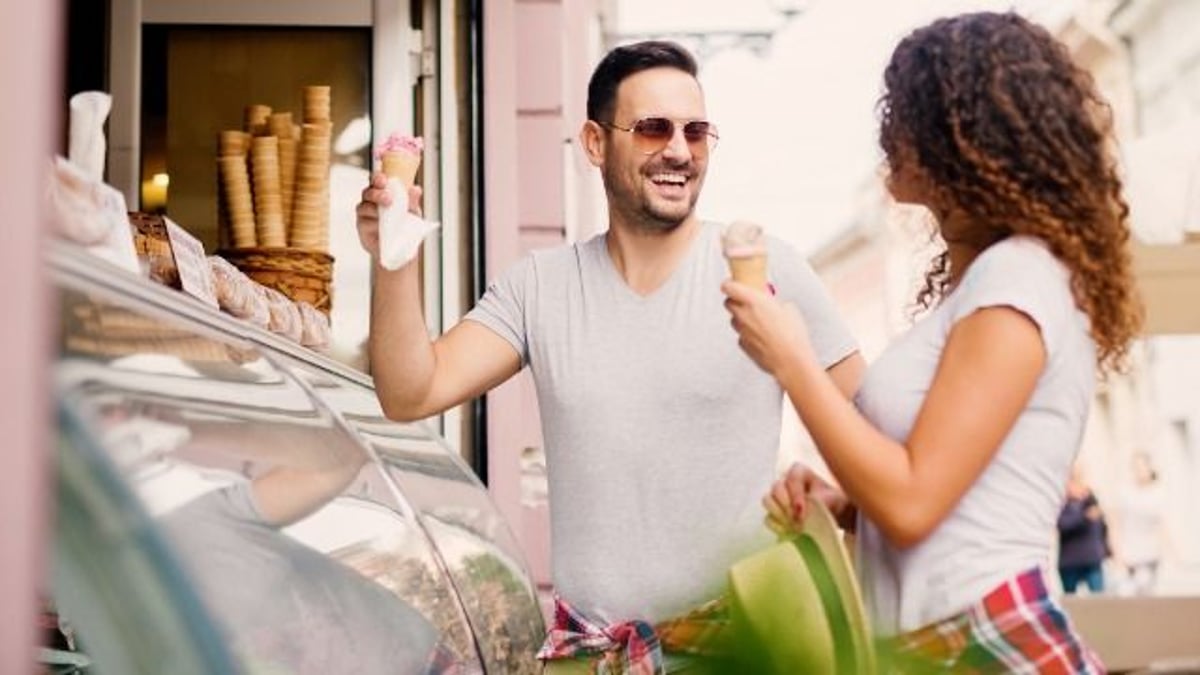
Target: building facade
(1164, 179)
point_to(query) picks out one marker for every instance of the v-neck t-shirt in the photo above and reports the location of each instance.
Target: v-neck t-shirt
(660, 434)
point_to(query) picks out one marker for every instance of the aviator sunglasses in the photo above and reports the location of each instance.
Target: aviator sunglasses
(652, 134)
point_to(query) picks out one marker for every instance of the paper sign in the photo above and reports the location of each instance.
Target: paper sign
(195, 275)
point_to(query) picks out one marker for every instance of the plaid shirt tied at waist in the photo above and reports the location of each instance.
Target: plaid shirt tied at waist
(633, 647)
(1016, 628)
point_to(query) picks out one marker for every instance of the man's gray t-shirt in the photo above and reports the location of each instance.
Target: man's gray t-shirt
(661, 435)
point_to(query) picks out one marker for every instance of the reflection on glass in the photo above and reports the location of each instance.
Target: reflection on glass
(298, 545)
(496, 592)
(290, 606)
(479, 552)
(115, 601)
(475, 545)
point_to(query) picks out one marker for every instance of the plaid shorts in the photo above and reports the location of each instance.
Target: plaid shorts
(633, 647)
(1016, 628)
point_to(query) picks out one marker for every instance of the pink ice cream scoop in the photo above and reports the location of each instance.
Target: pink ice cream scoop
(400, 157)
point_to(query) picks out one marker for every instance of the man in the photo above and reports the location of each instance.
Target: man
(661, 436)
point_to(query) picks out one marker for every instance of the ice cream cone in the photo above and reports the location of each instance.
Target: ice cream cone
(745, 247)
(400, 157)
(751, 270)
(401, 164)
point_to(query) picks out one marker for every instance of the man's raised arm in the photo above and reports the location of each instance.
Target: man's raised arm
(414, 376)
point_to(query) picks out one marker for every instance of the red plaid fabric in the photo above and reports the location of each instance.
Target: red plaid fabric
(632, 647)
(1016, 628)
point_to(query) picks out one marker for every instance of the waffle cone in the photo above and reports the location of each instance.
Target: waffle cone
(239, 208)
(402, 165)
(255, 118)
(751, 270)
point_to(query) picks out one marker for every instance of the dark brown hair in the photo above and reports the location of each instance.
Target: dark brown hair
(628, 60)
(1009, 132)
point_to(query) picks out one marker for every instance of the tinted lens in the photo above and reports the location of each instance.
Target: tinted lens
(697, 132)
(652, 134)
(654, 128)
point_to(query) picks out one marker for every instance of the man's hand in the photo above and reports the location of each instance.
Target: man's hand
(374, 196)
(786, 502)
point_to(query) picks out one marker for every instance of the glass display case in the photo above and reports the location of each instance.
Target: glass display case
(230, 501)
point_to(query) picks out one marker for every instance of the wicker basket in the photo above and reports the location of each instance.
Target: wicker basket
(301, 275)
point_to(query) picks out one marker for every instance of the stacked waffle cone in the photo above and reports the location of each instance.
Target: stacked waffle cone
(273, 177)
(310, 208)
(236, 204)
(281, 127)
(268, 196)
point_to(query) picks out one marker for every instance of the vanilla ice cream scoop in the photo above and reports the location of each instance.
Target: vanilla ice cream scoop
(745, 247)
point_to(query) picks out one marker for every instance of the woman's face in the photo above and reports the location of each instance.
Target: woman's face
(905, 180)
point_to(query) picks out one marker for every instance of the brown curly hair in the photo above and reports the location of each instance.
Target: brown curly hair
(1006, 130)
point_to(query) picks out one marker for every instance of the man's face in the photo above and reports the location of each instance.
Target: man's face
(656, 191)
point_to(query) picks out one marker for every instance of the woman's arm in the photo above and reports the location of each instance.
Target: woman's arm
(988, 370)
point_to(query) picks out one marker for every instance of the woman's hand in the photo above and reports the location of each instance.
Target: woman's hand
(786, 503)
(771, 332)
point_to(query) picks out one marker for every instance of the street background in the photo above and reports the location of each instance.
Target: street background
(793, 87)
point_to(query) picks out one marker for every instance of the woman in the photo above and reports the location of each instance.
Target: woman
(964, 431)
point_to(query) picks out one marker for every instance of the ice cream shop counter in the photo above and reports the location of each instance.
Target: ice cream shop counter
(229, 500)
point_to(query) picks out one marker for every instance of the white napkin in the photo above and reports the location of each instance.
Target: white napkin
(400, 232)
(85, 147)
(90, 213)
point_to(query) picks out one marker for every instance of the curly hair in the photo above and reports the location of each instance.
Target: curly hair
(1006, 130)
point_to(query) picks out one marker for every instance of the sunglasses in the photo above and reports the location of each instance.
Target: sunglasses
(652, 134)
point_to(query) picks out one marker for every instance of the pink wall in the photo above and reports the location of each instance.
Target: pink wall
(29, 71)
(500, 218)
(535, 80)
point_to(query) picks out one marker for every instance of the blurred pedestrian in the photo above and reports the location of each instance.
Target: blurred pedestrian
(1082, 537)
(967, 426)
(1140, 521)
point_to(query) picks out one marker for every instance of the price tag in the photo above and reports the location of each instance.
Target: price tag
(195, 275)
